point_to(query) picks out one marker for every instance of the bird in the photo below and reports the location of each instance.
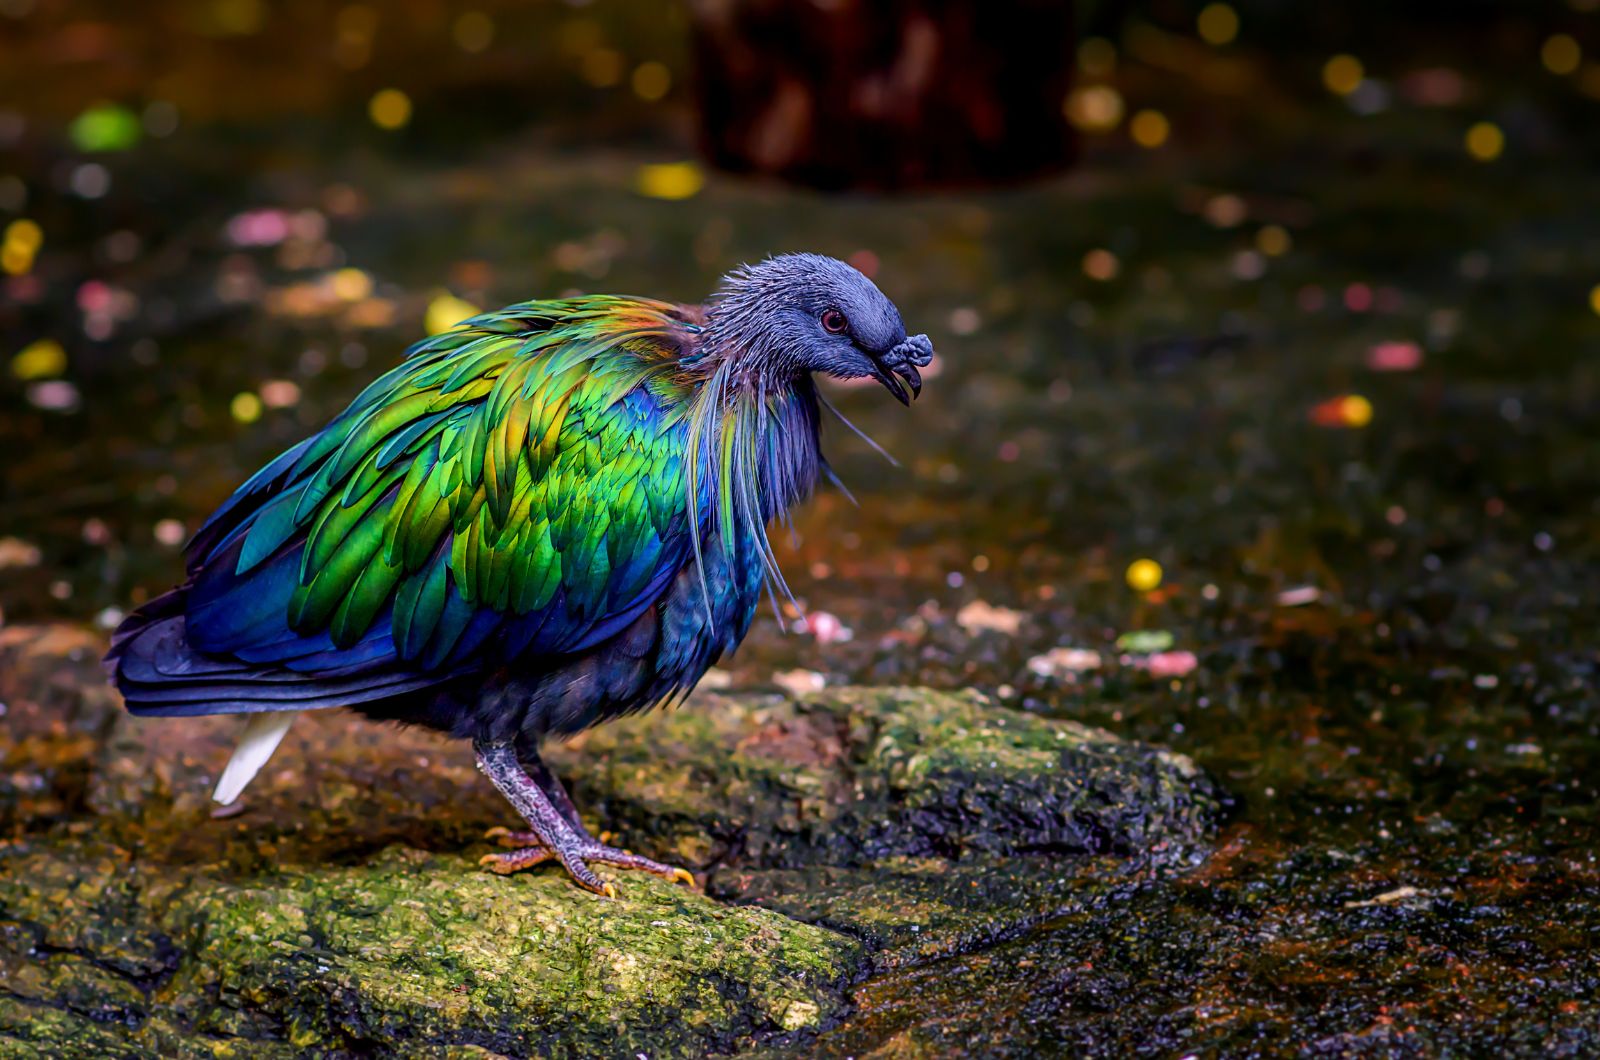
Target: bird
(549, 516)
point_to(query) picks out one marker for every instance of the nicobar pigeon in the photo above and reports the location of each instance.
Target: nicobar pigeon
(546, 517)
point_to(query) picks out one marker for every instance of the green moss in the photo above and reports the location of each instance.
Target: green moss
(855, 775)
(415, 947)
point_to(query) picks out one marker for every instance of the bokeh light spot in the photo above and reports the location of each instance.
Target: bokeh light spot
(445, 311)
(1346, 410)
(245, 407)
(280, 393)
(473, 31)
(1143, 575)
(651, 80)
(1225, 210)
(237, 18)
(170, 532)
(15, 261)
(1343, 74)
(1273, 241)
(965, 320)
(1355, 410)
(1094, 108)
(1485, 141)
(1150, 128)
(350, 285)
(90, 180)
(601, 67)
(25, 234)
(670, 180)
(1561, 54)
(1218, 24)
(105, 127)
(43, 359)
(390, 109)
(1101, 264)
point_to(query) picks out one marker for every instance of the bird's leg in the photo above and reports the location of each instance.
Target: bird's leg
(533, 765)
(553, 836)
(550, 784)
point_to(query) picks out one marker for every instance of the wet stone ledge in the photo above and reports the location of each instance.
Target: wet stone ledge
(341, 911)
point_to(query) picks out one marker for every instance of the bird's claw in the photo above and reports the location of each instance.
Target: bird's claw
(530, 849)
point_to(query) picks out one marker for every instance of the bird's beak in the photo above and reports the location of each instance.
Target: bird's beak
(903, 360)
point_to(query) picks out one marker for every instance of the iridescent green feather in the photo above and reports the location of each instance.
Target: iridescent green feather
(510, 458)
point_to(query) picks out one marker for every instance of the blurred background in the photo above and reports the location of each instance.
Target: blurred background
(1264, 423)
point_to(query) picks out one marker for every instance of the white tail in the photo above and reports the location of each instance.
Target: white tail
(261, 737)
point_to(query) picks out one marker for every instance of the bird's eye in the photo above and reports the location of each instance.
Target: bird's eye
(834, 321)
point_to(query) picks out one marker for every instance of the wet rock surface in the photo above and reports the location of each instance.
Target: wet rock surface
(340, 911)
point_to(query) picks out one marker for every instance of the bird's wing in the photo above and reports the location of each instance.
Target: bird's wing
(516, 481)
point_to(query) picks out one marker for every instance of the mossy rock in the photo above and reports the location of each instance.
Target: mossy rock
(852, 775)
(405, 947)
(342, 913)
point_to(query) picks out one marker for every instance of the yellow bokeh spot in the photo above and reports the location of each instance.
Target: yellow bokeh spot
(1150, 128)
(651, 81)
(670, 180)
(1143, 575)
(1485, 141)
(39, 360)
(1343, 74)
(15, 260)
(1561, 54)
(237, 18)
(1594, 298)
(1355, 410)
(1218, 24)
(25, 234)
(602, 67)
(390, 109)
(473, 31)
(446, 311)
(578, 35)
(246, 407)
(1273, 241)
(351, 285)
(1094, 108)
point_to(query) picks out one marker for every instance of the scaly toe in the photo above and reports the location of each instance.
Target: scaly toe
(627, 859)
(513, 840)
(516, 860)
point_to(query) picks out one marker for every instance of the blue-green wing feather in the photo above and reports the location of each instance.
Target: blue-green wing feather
(518, 480)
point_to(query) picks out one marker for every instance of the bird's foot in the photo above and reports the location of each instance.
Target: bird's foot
(576, 853)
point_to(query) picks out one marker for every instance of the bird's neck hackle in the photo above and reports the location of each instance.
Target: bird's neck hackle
(752, 429)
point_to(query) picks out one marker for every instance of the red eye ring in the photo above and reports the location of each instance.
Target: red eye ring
(834, 321)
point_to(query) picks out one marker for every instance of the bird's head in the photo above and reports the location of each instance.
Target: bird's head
(808, 313)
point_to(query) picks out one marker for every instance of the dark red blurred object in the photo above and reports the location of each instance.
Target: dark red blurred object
(885, 94)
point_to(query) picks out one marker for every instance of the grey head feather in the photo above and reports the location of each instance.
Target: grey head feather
(810, 313)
